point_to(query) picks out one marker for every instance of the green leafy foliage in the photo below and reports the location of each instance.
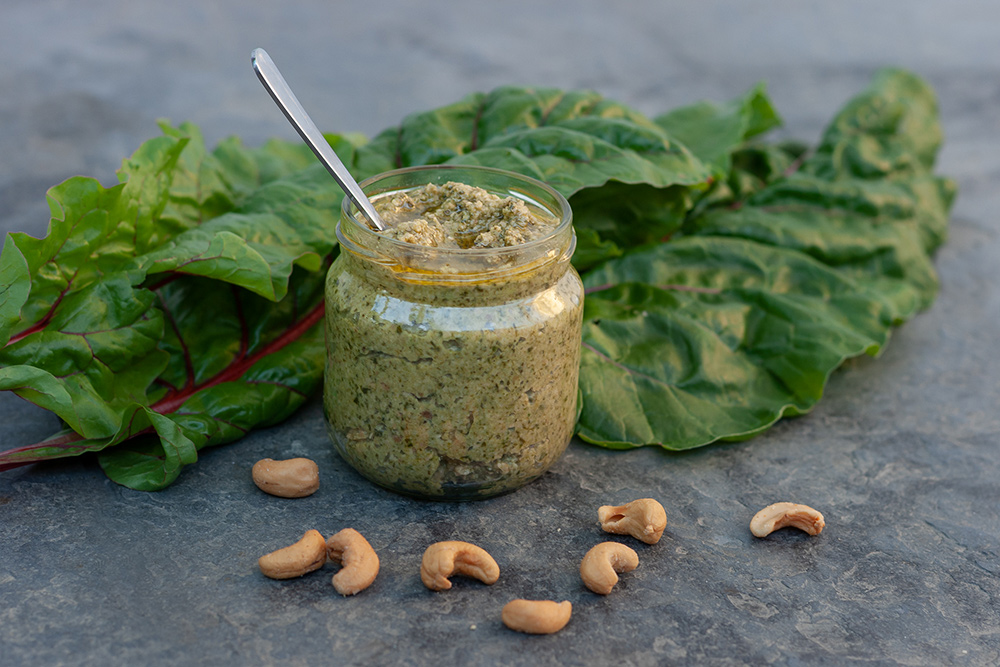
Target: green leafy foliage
(266, 361)
(712, 131)
(572, 140)
(770, 288)
(150, 350)
(727, 278)
(707, 337)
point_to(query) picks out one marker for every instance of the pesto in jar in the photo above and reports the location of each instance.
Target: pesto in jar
(452, 375)
(457, 215)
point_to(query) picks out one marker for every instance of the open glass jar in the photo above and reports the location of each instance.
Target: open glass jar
(451, 374)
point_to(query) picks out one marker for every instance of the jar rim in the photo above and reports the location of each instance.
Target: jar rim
(360, 226)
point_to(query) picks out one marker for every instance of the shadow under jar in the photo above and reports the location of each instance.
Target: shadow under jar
(451, 373)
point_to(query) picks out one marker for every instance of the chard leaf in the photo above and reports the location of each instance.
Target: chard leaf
(572, 140)
(88, 364)
(152, 460)
(682, 367)
(743, 319)
(141, 427)
(86, 344)
(233, 361)
(205, 185)
(617, 216)
(587, 152)
(870, 229)
(94, 230)
(15, 286)
(285, 223)
(90, 343)
(591, 249)
(714, 131)
(266, 360)
(889, 131)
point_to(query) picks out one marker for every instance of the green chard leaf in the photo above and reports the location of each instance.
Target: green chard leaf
(238, 361)
(722, 135)
(714, 131)
(15, 287)
(700, 339)
(618, 216)
(742, 318)
(86, 343)
(572, 140)
(285, 223)
(91, 341)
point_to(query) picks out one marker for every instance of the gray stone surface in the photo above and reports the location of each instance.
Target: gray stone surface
(901, 455)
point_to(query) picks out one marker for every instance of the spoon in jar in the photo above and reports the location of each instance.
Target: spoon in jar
(283, 96)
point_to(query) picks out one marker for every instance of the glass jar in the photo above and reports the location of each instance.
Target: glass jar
(451, 374)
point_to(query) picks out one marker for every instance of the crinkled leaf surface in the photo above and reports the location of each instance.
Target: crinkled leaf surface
(743, 318)
(617, 217)
(572, 140)
(284, 223)
(706, 338)
(89, 363)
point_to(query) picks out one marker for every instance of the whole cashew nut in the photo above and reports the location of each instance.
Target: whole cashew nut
(536, 617)
(442, 559)
(292, 478)
(779, 515)
(643, 519)
(359, 561)
(600, 566)
(304, 556)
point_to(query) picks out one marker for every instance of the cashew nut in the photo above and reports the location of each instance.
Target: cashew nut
(359, 561)
(643, 519)
(536, 617)
(779, 515)
(304, 556)
(599, 566)
(442, 559)
(293, 478)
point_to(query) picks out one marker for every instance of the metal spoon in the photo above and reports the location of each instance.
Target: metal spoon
(283, 96)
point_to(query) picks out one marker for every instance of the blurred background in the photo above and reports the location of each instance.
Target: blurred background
(83, 82)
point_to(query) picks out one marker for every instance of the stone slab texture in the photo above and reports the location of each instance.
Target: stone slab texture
(901, 455)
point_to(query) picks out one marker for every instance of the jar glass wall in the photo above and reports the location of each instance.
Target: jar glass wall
(451, 374)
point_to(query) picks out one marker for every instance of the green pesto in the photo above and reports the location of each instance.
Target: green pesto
(446, 382)
(456, 401)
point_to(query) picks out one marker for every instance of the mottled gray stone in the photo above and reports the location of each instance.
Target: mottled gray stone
(901, 455)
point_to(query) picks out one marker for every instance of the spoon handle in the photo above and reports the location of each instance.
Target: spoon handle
(283, 96)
